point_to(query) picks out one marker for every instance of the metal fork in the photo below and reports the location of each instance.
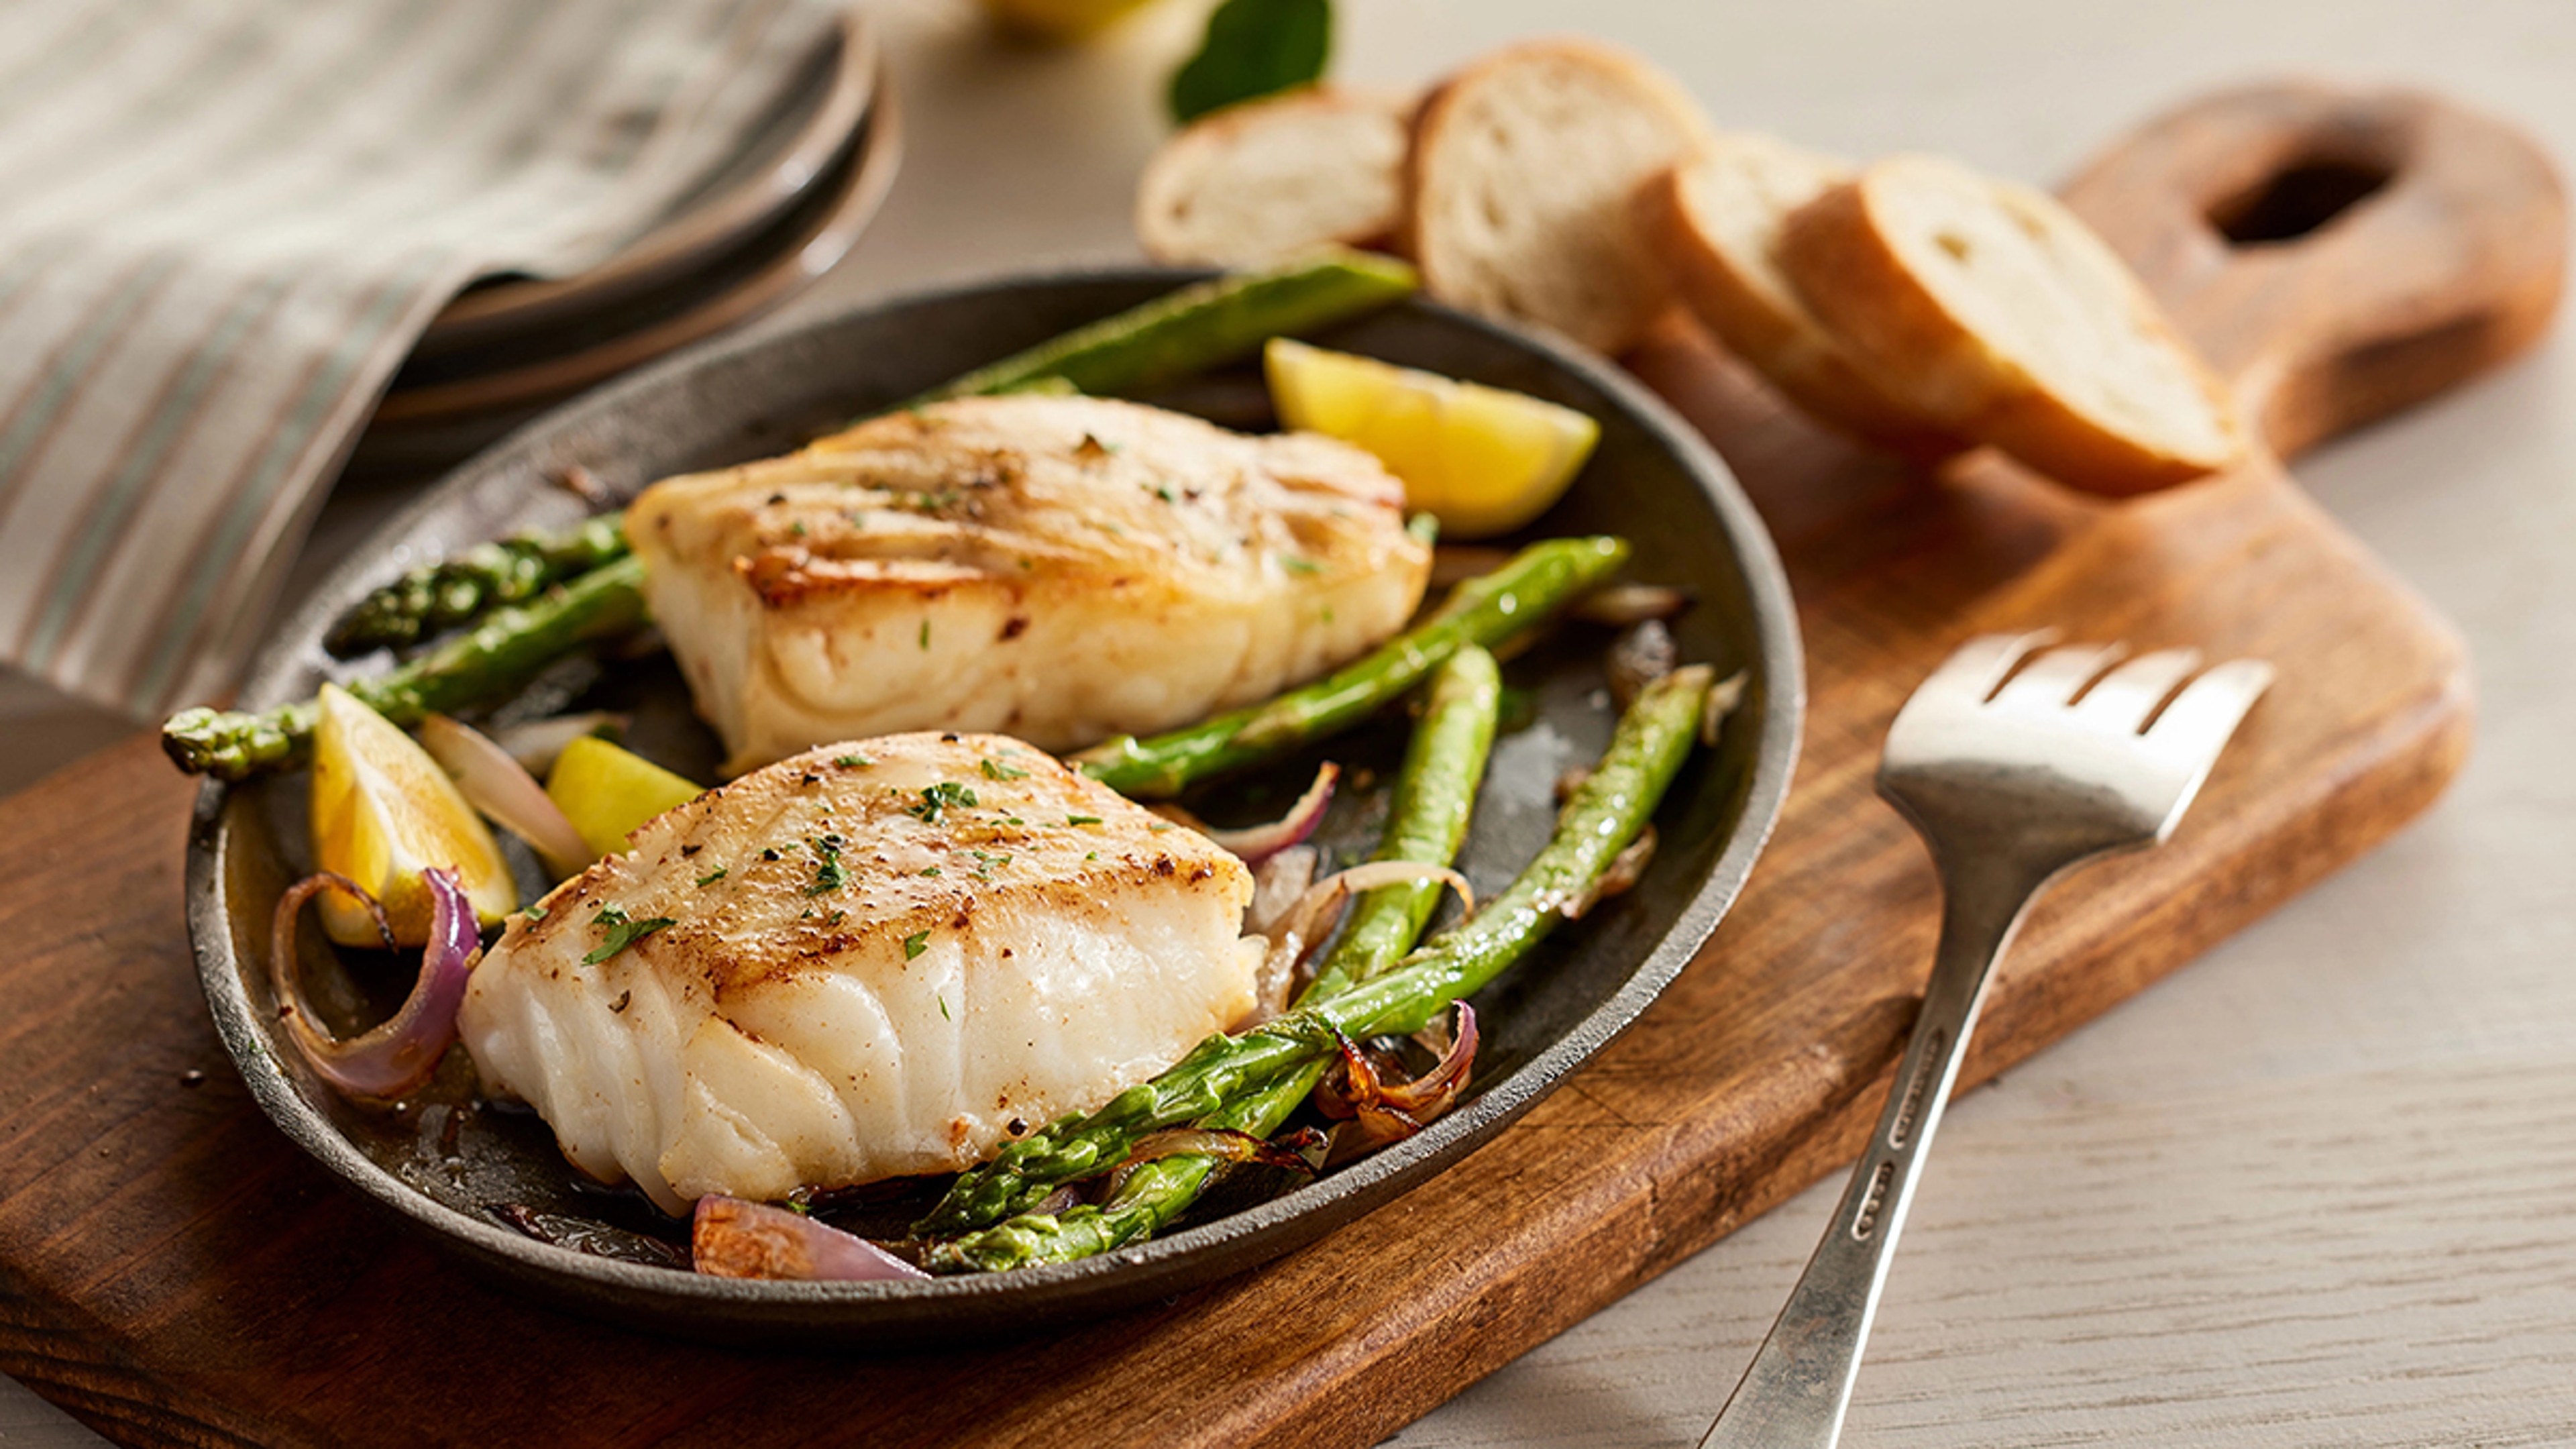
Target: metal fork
(2011, 776)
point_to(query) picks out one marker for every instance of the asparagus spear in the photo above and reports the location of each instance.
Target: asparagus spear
(1427, 820)
(1483, 611)
(504, 652)
(1198, 326)
(439, 596)
(1606, 812)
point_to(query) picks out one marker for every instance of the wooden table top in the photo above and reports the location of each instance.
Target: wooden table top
(2310, 1190)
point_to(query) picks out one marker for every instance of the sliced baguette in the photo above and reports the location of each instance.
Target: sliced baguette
(1257, 182)
(1517, 187)
(1992, 311)
(1716, 219)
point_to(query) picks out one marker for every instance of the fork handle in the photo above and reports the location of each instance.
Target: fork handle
(1795, 1394)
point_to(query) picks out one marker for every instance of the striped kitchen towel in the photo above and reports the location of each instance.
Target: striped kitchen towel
(224, 222)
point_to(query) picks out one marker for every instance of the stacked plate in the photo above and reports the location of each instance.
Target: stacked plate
(788, 207)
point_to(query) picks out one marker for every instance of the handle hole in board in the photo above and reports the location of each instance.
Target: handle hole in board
(2297, 200)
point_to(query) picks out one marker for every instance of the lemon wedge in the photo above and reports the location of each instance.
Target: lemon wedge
(606, 791)
(1482, 460)
(382, 812)
(1057, 21)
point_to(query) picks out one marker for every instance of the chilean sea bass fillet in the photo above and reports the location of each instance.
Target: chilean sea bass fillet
(1062, 569)
(881, 958)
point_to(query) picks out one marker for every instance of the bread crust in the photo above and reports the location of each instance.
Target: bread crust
(1787, 344)
(1367, 185)
(1607, 258)
(1841, 253)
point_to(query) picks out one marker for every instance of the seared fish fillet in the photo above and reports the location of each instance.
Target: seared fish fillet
(875, 959)
(1062, 569)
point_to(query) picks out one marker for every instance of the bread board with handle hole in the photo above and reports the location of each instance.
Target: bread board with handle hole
(173, 1271)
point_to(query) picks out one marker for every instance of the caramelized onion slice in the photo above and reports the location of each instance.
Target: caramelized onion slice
(502, 789)
(1723, 698)
(402, 1052)
(1625, 604)
(1287, 1151)
(1254, 844)
(535, 743)
(731, 1238)
(1298, 930)
(1624, 870)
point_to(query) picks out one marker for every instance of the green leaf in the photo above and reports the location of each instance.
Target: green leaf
(1253, 48)
(622, 933)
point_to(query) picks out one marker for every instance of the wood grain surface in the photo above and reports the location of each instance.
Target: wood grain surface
(174, 1272)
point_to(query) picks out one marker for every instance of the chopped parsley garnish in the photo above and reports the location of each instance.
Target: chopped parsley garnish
(943, 1010)
(1158, 827)
(852, 762)
(797, 528)
(925, 635)
(622, 932)
(930, 870)
(1296, 565)
(1164, 492)
(915, 944)
(1082, 820)
(996, 770)
(828, 874)
(935, 798)
(711, 877)
(534, 913)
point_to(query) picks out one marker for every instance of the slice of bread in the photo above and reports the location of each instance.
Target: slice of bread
(1517, 188)
(1257, 182)
(1991, 310)
(1716, 219)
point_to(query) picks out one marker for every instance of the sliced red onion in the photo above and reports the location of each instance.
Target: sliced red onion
(1624, 604)
(1315, 908)
(1057, 1201)
(535, 743)
(1360, 1097)
(1723, 697)
(1432, 1093)
(1218, 1142)
(1277, 884)
(1621, 875)
(731, 1238)
(1303, 926)
(1254, 844)
(403, 1051)
(1379, 1114)
(495, 784)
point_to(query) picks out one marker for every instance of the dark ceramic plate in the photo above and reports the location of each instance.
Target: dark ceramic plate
(477, 1178)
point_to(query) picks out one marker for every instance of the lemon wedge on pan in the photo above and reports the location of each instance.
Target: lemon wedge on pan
(383, 811)
(1480, 459)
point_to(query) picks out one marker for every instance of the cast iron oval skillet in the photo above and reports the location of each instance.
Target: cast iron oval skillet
(444, 1164)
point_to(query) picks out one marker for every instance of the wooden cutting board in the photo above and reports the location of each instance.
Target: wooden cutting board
(176, 1273)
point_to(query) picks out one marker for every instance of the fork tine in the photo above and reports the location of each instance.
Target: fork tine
(2049, 681)
(2128, 694)
(2196, 726)
(1976, 667)
(2202, 717)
